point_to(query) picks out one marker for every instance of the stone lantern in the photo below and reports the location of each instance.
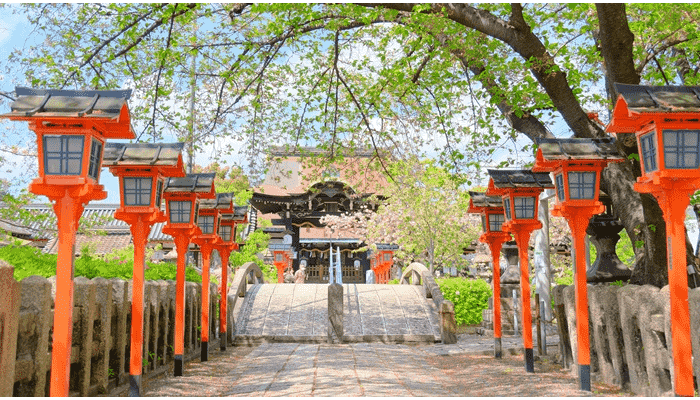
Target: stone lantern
(577, 165)
(182, 196)
(604, 232)
(71, 127)
(520, 190)
(666, 123)
(142, 169)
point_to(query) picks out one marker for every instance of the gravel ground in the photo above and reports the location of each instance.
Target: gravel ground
(367, 369)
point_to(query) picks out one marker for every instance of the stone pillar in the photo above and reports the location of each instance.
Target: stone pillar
(9, 317)
(541, 256)
(335, 313)
(448, 326)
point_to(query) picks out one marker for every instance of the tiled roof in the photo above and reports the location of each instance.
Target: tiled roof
(99, 244)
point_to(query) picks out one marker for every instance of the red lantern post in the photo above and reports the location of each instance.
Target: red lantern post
(182, 197)
(227, 233)
(492, 219)
(142, 169)
(577, 165)
(665, 122)
(71, 127)
(209, 219)
(520, 190)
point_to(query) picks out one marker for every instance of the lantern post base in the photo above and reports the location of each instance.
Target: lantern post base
(584, 377)
(135, 386)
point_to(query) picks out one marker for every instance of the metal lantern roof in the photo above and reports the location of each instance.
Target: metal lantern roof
(223, 201)
(60, 104)
(194, 183)
(638, 105)
(157, 154)
(579, 149)
(523, 178)
(643, 99)
(480, 199)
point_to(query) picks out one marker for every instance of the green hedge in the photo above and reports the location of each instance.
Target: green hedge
(30, 261)
(469, 296)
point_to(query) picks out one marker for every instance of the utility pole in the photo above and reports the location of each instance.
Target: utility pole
(190, 139)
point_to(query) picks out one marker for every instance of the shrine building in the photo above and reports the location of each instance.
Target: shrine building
(298, 190)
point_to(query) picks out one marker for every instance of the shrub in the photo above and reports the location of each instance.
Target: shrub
(469, 296)
(30, 261)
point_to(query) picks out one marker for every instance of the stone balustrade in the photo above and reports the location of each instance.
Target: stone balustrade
(101, 332)
(630, 335)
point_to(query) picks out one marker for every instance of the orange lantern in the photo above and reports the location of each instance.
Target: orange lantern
(665, 121)
(282, 254)
(208, 221)
(577, 165)
(382, 261)
(520, 190)
(71, 127)
(227, 233)
(492, 219)
(142, 169)
(182, 197)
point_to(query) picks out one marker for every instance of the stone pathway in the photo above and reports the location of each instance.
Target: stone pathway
(371, 369)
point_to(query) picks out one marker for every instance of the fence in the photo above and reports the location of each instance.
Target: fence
(630, 335)
(101, 332)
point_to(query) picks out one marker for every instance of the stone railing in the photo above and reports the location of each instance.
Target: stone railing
(414, 273)
(248, 274)
(101, 332)
(630, 335)
(418, 273)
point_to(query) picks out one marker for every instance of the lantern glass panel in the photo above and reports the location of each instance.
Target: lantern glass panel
(206, 224)
(95, 159)
(496, 222)
(387, 256)
(63, 155)
(560, 187)
(180, 211)
(648, 143)
(225, 232)
(681, 148)
(582, 185)
(279, 257)
(524, 207)
(506, 208)
(137, 191)
(484, 227)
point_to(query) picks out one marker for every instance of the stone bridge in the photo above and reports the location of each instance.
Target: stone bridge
(372, 313)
